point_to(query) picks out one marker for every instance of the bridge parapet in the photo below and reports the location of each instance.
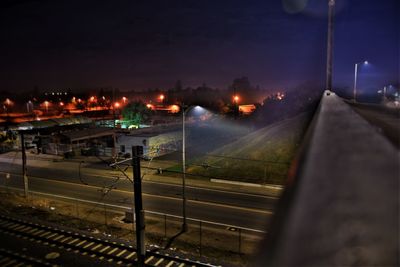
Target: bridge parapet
(341, 208)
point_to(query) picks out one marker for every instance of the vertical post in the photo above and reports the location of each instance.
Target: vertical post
(114, 150)
(384, 93)
(165, 225)
(77, 209)
(26, 189)
(184, 225)
(139, 212)
(265, 174)
(355, 82)
(240, 240)
(105, 214)
(200, 230)
(329, 55)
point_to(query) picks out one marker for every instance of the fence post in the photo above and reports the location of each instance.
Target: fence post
(77, 209)
(105, 214)
(200, 230)
(265, 174)
(240, 240)
(165, 225)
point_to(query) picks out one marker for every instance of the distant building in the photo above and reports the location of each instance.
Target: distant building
(156, 141)
(247, 109)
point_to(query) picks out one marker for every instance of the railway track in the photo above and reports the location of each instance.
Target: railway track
(103, 249)
(16, 259)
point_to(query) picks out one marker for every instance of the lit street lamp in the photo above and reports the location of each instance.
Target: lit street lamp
(236, 99)
(161, 98)
(184, 224)
(355, 79)
(46, 104)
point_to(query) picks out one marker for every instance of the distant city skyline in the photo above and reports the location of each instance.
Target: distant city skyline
(152, 44)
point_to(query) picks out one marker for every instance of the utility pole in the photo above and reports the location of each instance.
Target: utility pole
(184, 224)
(355, 82)
(114, 150)
(26, 189)
(329, 54)
(137, 152)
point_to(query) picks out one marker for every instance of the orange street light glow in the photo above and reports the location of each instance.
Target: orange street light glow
(124, 99)
(8, 102)
(161, 97)
(236, 98)
(116, 104)
(174, 108)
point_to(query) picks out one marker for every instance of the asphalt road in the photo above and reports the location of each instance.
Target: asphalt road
(385, 119)
(62, 178)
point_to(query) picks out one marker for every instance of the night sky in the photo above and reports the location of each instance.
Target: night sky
(148, 44)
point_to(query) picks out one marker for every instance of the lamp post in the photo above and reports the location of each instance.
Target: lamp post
(329, 53)
(184, 223)
(355, 79)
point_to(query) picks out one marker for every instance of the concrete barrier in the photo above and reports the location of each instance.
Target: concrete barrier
(344, 207)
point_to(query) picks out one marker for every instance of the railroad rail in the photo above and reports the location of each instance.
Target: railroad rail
(12, 258)
(88, 245)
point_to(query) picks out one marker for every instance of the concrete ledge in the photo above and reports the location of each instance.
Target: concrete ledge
(345, 208)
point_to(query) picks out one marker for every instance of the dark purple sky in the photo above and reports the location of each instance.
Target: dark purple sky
(141, 44)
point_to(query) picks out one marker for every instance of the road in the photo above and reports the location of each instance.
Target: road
(387, 120)
(62, 178)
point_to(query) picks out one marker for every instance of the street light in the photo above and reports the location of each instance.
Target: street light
(355, 78)
(236, 99)
(46, 104)
(384, 91)
(184, 224)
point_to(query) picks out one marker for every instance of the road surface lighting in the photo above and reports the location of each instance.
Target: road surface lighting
(355, 79)
(184, 111)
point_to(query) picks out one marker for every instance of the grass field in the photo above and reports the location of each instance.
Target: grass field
(262, 156)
